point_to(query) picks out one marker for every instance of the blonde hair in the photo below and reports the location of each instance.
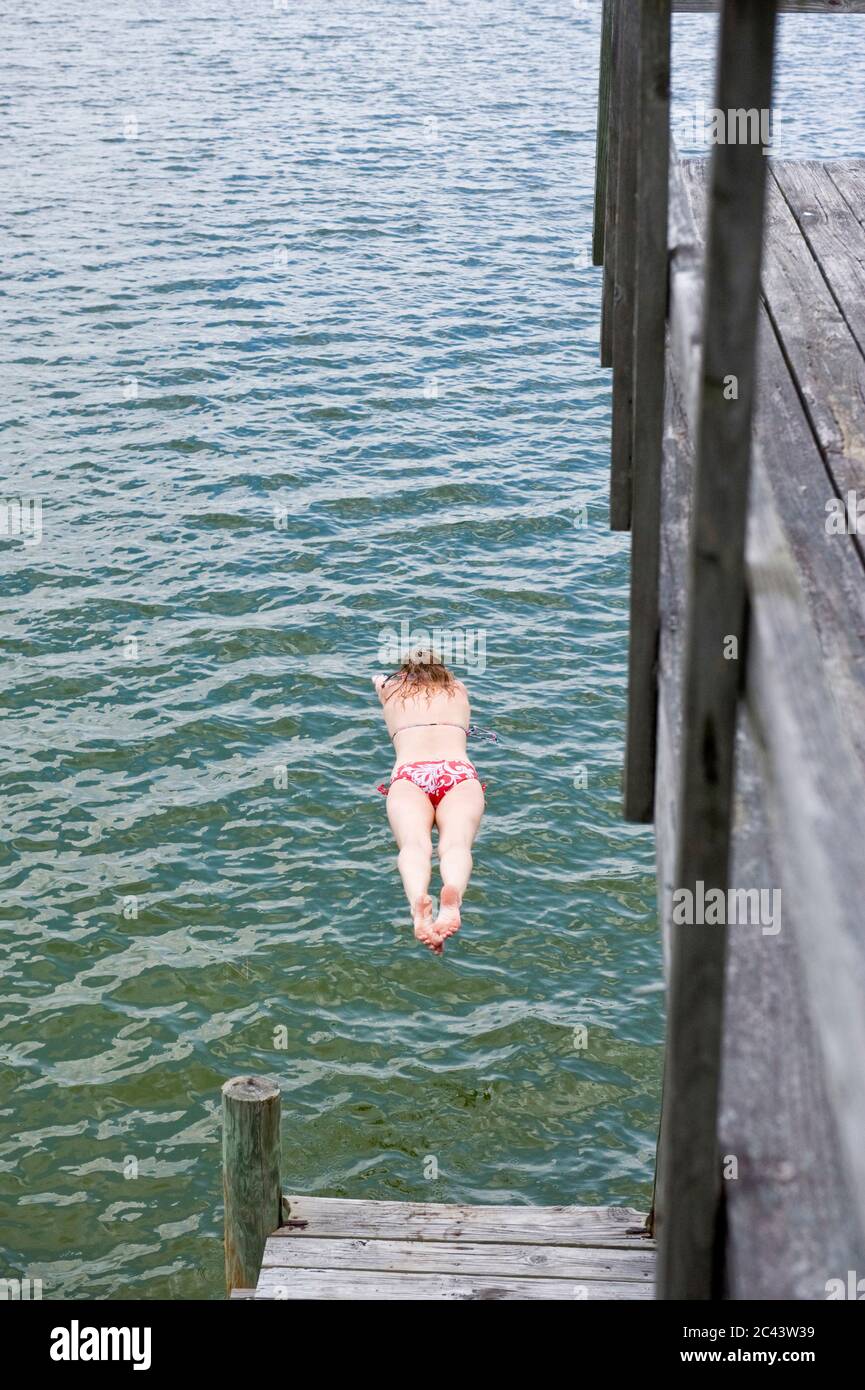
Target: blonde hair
(420, 673)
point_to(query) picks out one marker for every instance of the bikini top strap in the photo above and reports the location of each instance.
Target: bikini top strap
(436, 724)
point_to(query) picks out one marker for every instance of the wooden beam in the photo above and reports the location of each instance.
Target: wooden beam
(685, 309)
(372, 1286)
(611, 191)
(625, 269)
(648, 415)
(353, 1219)
(601, 138)
(689, 1180)
(250, 1173)
(409, 1256)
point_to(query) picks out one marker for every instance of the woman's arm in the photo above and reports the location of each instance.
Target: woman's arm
(379, 682)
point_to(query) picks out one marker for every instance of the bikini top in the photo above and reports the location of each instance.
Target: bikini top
(473, 730)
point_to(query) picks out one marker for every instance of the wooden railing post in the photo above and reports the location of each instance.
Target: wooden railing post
(625, 266)
(602, 133)
(250, 1172)
(689, 1168)
(650, 310)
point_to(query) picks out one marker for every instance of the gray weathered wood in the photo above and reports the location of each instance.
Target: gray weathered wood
(787, 1207)
(250, 1170)
(834, 230)
(371, 1285)
(685, 312)
(816, 797)
(625, 270)
(823, 355)
(611, 194)
(789, 444)
(460, 1257)
(605, 70)
(689, 1179)
(829, 228)
(648, 412)
(788, 1212)
(337, 1217)
(848, 175)
(787, 1204)
(829, 567)
(677, 483)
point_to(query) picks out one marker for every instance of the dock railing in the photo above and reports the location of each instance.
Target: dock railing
(684, 301)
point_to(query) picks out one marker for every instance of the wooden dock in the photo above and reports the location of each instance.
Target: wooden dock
(336, 1249)
(798, 805)
(333, 1249)
(734, 323)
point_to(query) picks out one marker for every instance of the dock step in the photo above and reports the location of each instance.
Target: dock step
(330, 1248)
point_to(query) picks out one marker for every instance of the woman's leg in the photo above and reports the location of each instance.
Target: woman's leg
(410, 813)
(458, 816)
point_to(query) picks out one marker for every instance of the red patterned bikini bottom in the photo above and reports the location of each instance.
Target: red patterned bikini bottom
(434, 778)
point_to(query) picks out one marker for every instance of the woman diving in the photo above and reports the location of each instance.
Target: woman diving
(426, 710)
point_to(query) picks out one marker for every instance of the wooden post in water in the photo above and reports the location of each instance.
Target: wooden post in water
(624, 268)
(250, 1175)
(650, 309)
(689, 1195)
(611, 182)
(602, 134)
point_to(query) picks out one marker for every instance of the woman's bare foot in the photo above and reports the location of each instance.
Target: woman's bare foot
(448, 920)
(424, 927)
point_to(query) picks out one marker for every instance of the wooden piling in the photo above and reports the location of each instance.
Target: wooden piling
(250, 1171)
(689, 1166)
(624, 269)
(601, 138)
(650, 308)
(611, 183)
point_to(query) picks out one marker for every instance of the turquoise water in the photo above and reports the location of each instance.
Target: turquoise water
(302, 348)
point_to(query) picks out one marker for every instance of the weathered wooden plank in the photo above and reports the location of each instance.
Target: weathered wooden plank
(605, 71)
(624, 298)
(689, 1179)
(461, 1257)
(677, 485)
(848, 175)
(816, 797)
(685, 313)
(366, 1285)
(822, 353)
(787, 1204)
(650, 309)
(250, 1170)
(611, 219)
(836, 238)
(560, 1225)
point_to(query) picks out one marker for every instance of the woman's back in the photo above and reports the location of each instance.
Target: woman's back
(427, 725)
